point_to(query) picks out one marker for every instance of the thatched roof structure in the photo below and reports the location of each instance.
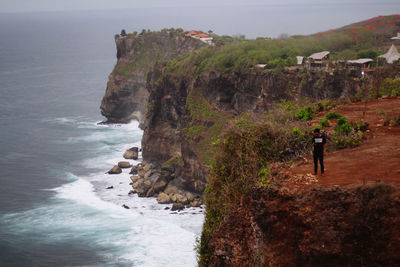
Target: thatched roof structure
(319, 55)
(359, 61)
(392, 55)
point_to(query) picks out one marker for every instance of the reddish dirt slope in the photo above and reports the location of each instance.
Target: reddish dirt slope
(308, 221)
(377, 159)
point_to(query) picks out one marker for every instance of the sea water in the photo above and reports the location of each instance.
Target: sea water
(55, 208)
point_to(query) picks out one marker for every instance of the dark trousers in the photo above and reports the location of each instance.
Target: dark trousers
(318, 156)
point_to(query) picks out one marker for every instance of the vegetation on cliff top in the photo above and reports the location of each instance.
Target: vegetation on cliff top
(245, 54)
(238, 54)
(150, 47)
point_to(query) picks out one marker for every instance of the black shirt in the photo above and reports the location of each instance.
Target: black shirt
(319, 142)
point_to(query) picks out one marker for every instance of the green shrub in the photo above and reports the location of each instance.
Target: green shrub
(343, 127)
(325, 105)
(324, 122)
(332, 115)
(341, 141)
(360, 126)
(390, 87)
(265, 177)
(297, 131)
(372, 54)
(306, 113)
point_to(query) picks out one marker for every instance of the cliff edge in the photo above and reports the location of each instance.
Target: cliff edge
(126, 95)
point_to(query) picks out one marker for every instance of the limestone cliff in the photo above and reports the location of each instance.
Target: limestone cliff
(339, 226)
(180, 124)
(126, 94)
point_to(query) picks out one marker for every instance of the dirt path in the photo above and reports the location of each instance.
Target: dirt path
(377, 159)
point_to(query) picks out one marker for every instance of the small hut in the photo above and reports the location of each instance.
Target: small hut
(361, 63)
(392, 55)
(320, 59)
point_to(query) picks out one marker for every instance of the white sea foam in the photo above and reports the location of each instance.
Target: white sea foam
(156, 236)
(84, 211)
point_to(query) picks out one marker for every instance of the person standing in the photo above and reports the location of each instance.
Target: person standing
(319, 145)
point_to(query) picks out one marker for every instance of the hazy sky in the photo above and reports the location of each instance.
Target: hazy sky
(254, 18)
(58, 5)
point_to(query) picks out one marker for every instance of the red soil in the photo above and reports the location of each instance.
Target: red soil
(377, 159)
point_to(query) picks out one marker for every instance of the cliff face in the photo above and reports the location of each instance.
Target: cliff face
(126, 94)
(352, 226)
(181, 106)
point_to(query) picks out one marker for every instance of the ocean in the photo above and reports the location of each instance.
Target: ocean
(55, 209)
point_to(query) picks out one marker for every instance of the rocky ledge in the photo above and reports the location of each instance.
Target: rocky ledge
(149, 181)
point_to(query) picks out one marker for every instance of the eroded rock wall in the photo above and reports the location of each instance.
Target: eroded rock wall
(168, 118)
(352, 226)
(126, 94)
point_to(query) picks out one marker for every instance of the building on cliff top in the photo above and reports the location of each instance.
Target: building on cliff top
(319, 60)
(192, 33)
(391, 55)
(360, 64)
(205, 38)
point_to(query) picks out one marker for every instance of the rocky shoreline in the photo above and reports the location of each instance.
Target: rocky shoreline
(150, 181)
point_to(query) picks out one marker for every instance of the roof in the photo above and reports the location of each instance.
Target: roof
(319, 55)
(192, 33)
(392, 55)
(300, 60)
(359, 61)
(202, 35)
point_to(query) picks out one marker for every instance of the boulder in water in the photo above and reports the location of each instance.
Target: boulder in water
(163, 198)
(115, 170)
(132, 153)
(124, 164)
(177, 206)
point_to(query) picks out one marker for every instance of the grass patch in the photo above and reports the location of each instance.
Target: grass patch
(205, 126)
(172, 162)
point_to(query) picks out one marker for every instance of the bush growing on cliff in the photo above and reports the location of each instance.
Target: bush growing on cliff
(391, 87)
(306, 113)
(242, 161)
(205, 126)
